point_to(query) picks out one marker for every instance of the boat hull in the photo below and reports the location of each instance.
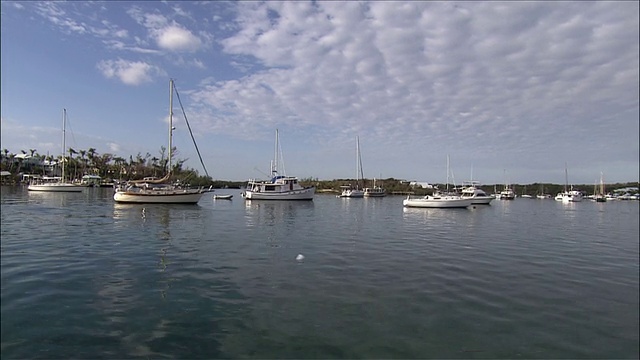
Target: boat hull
(482, 200)
(164, 197)
(222, 197)
(375, 192)
(55, 187)
(571, 196)
(352, 194)
(437, 203)
(302, 194)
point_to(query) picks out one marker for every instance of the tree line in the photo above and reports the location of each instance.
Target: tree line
(108, 166)
(111, 167)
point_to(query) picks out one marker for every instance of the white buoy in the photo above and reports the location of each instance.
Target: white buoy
(300, 257)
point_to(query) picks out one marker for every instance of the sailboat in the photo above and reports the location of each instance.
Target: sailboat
(160, 191)
(541, 194)
(280, 187)
(61, 185)
(568, 195)
(355, 191)
(439, 200)
(599, 195)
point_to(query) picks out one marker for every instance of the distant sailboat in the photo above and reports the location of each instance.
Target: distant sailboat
(599, 195)
(568, 195)
(355, 191)
(439, 200)
(541, 194)
(61, 185)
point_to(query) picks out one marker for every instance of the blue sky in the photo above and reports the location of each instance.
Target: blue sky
(511, 91)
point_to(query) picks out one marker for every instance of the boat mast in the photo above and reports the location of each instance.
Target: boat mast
(64, 128)
(566, 177)
(359, 173)
(274, 164)
(447, 174)
(170, 122)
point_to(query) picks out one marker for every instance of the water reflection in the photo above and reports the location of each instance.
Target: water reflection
(61, 199)
(273, 212)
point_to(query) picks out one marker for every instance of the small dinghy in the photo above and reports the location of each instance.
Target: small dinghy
(222, 197)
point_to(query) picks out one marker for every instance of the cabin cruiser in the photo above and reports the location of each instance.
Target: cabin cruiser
(471, 190)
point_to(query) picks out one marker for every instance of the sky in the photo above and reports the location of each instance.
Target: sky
(510, 92)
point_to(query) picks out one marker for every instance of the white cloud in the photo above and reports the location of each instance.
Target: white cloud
(129, 72)
(176, 38)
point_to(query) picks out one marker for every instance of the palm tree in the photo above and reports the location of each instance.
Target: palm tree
(72, 160)
(5, 158)
(91, 153)
(83, 160)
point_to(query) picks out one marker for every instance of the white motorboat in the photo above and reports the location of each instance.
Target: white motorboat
(280, 187)
(471, 190)
(56, 184)
(569, 196)
(507, 194)
(161, 191)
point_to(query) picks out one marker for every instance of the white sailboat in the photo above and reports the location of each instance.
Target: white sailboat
(356, 191)
(280, 187)
(599, 194)
(568, 195)
(160, 191)
(59, 184)
(541, 194)
(439, 200)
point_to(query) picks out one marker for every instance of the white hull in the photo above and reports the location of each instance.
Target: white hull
(222, 197)
(56, 187)
(352, 194)
(302, 194)
(437, 202)
(482, 200)
(569, 196)
(476, 195)
(374, 192)
(159, 197)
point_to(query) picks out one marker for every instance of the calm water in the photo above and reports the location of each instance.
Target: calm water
(83, 277)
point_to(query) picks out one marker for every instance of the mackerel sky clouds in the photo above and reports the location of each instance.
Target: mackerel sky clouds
(511, 91)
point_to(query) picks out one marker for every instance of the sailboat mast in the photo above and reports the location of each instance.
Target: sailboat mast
(447, 174)
(274, 165)
(64, 129)
(566, 177)
(170, 122)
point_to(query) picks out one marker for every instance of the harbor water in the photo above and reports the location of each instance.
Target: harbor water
(86, 278)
